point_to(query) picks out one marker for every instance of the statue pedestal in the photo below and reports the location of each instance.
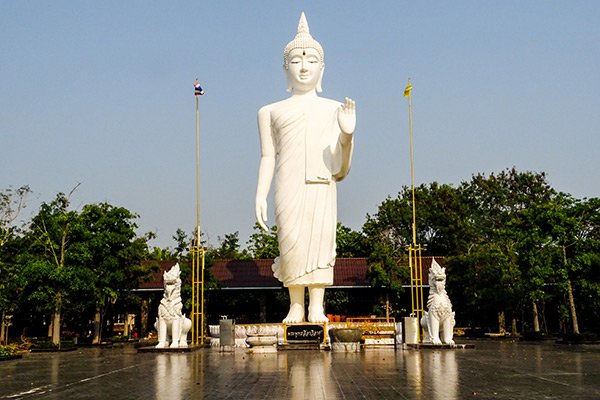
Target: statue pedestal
(411, 330)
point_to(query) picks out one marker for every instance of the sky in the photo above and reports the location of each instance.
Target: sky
(101, 94)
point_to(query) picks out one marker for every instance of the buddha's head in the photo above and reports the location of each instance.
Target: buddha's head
(303, 60)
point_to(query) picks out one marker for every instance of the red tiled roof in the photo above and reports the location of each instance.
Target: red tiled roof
(257, 274)
(236, 274)
(349, 272)
(157, 282)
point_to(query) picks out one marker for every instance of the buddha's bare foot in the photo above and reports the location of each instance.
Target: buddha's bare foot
(317, 315)
(295, 315)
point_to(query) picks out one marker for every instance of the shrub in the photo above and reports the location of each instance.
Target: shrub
(583, 337)
(531, 335)
(119, 338)
(9, 350)
(49, 345)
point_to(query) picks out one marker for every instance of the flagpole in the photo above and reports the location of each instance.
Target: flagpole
(198, 249)
(412, 165)
(414, 250)
(197, 174)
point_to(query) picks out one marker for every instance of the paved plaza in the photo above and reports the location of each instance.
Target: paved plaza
(491, 370)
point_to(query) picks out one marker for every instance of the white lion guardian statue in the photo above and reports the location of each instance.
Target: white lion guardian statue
(438, 321)
(171, 324)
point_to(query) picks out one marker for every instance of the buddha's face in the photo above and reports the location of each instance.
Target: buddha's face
(305, 70)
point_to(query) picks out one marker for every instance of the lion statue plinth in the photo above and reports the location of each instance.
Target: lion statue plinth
(438, 321)
(171, 324)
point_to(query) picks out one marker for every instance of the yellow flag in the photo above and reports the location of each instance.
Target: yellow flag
(407, 90)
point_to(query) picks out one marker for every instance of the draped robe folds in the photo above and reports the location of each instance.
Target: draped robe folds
(310, 158)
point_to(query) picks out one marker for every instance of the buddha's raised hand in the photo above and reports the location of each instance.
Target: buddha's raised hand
(347, 116)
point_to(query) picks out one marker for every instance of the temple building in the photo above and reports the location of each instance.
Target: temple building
(247, 292)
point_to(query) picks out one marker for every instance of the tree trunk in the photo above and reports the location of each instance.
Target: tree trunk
(126, 325)
(570, 294)
(544, 323)
(572, 308)
(56, 326)
(50, 325)
(536, 320)
(97, 326)
(501, 323)
(2, 329)
(513, 327)
(144, 317)
(387, 307)
(562, 323)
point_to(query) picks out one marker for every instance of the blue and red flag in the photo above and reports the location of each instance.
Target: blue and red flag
(198, 89)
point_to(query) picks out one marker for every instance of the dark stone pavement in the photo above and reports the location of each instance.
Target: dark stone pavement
(492, 370)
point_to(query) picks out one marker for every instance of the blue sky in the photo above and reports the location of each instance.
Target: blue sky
(102, 93)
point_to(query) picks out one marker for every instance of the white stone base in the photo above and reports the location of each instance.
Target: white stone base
(380, 341)
(242, 331)
(260, 343)
(351, 347)
(261, 350)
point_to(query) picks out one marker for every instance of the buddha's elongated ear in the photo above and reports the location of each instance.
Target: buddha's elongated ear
(287, 78)
(319, 87)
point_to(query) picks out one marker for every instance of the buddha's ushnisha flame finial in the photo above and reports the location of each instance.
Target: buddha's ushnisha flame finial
(303, 40)
(303, 24)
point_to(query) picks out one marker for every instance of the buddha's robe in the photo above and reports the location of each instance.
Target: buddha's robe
(310, 158)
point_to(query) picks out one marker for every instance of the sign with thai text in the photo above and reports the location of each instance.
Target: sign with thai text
(304, 333)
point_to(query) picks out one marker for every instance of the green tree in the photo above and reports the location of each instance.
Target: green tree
(10, 290)
(12, 201)
(183, 243)
(179, 252)
(229, 248)
(583, 259)
(571, 232)
(387, 234)
(112, 256)
(497, 224)
(350, 243)
(50, 275)
(75, 259)
(386, 240)
(263, 244)
(485, 283)
(442, 220)
(441, 216)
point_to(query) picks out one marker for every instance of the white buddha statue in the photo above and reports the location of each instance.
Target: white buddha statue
(306, 143)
